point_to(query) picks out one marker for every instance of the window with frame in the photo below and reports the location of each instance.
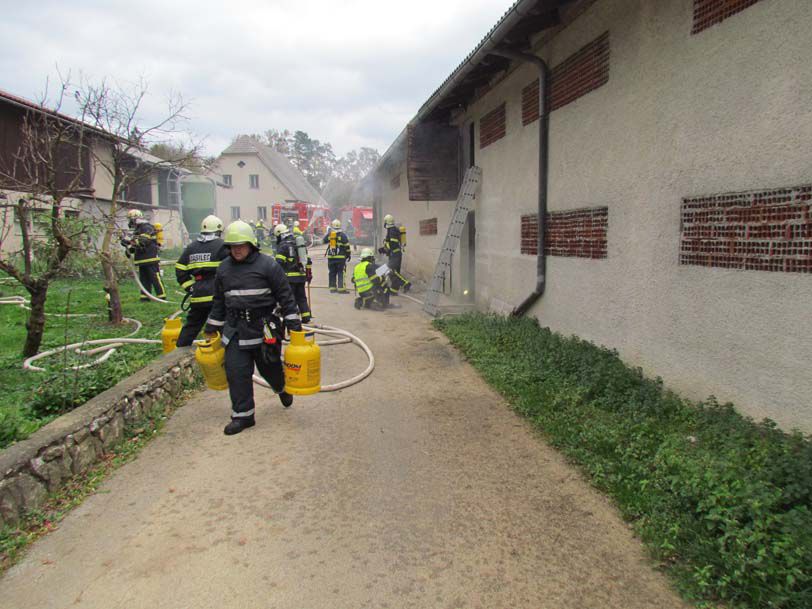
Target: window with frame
(227, 179)
(262, 213)
(253, 180)
(235, 212)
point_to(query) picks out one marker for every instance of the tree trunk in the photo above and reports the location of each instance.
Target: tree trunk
(111, 287)
(36, 321)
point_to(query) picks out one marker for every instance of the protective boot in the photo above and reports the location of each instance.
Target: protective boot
(358, 303)
(286, 399)
(237, 425)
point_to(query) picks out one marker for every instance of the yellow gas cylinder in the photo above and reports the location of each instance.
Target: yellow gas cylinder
(170, 333)
(159, 233)
(402, 236)
(211, 358)
(302, 364)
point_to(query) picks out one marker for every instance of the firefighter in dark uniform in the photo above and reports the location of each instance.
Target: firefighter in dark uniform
(338, 254)
(393, 244)
(143, 246)
(291, 254)
(195, 271)
(248, 287)
(372, 289)
(259, 229)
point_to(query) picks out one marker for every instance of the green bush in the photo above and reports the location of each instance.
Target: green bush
(724, 501)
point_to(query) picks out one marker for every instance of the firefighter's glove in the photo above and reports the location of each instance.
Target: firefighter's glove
(381, 250)
(294, 325)
(308, 274)
(271, 353)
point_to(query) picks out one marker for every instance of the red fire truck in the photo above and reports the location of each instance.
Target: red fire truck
(361, 220)
(312, 218)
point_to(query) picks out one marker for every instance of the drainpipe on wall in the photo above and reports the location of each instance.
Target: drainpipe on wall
(544, 128)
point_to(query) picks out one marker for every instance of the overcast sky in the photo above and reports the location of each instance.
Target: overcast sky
(351, 73)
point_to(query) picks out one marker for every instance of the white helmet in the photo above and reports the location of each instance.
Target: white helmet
(295, 224)
(336, 223)
(388, 220)
(135, 213)
(211, 224)
(367, 253)
(279, 230)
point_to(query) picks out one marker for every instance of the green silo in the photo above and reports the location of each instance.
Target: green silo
(199, 200)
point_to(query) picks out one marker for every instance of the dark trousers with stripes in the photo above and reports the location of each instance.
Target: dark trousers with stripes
(300, 295)
(239, 370)
(195, 320)
(397, 280)
(150, 278)
(336, 267)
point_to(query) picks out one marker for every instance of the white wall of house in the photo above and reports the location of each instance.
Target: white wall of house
(270, 190)
(682, 115)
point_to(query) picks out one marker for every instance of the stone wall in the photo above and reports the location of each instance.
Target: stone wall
(74, 442)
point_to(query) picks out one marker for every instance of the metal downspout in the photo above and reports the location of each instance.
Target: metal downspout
(544, 129)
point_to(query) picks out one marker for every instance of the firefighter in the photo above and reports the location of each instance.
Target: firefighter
(248, 287)
(143, 247)
(259, 230)
(296, 230)
(291, 254)
(371, 287)
(393, 244)
(195, 271)
(338, 254)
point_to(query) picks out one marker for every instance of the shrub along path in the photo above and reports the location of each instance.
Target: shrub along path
(416, 488)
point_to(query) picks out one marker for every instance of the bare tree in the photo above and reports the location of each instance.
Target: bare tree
(117, 111)
(42, 178)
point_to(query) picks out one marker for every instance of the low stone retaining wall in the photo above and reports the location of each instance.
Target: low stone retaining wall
(74, 442)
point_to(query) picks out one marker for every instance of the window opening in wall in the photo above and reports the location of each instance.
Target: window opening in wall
(253, 180)
(579, 233)
(492, 126)
(395, 182)
(711, 12)
(227, 179)
(235, 212)
(262, 213)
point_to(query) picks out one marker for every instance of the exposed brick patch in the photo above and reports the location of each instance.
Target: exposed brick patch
(492, 126)
(580, 73)
(428, 227)
(579, 233)
(711, 12)
(394, 183)
(767, 230)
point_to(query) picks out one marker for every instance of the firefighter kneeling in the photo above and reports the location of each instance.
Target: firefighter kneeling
(248, 287)
(373, 292)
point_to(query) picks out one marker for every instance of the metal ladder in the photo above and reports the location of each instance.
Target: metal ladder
(465, 201)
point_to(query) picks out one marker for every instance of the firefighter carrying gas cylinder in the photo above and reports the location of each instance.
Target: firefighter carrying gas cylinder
(393, 246)
(143, 247)
(259, 230)
(338, 254)
(291, 254)
(195, 271)
(371, 287)
(248, 287)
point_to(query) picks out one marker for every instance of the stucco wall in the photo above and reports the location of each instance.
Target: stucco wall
(270, 189)
(725, 110)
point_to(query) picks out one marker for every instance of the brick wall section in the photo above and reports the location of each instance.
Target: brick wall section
(492, 126)
(580, 73)
(394, 183)
(767, 230)
(579, 233)
(428, 227)
(711, 12)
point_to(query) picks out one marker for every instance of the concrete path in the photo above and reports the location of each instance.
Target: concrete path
(416, 488)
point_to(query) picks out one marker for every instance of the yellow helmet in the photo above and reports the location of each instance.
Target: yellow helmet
(279, 229)
(211, 224)
(239, 232)
(388, 220)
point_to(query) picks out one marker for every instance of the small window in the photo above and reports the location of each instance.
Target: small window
(227, 179)
(253, 181)
(235, 212)
(262, 213)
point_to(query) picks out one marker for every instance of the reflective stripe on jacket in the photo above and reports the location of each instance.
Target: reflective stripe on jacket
(197, 266)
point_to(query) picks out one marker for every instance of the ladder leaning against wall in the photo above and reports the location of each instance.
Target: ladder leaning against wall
(465, 202)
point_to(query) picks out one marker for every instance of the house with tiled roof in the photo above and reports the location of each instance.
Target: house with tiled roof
(258, 177)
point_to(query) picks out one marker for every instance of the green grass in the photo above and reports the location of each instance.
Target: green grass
(31, 399)
(724, 503)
